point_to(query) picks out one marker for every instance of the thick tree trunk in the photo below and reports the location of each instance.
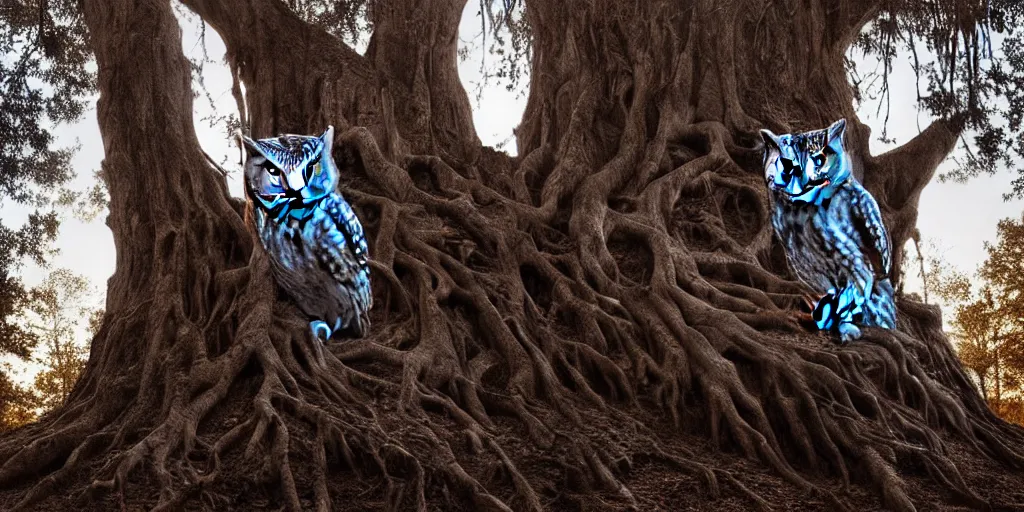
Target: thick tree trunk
(415, 44)
(559, 330)
(177, 238)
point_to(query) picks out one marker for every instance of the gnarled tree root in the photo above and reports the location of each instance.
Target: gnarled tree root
(500, 311)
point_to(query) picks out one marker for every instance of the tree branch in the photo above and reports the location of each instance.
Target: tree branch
(289, 66)
(903, 172)
(897, 177)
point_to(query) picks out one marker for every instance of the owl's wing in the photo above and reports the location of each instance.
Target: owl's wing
(344, 252)
(339, 211)
(867, 220)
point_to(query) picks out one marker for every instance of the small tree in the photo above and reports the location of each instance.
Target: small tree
(17, 404)
(1003, 270)
(56, 310)
(987, 321)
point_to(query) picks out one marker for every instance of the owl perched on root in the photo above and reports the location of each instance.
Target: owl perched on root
(831, 228)
(316, 245)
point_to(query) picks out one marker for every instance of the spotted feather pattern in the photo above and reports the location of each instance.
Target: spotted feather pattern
(831, 228)
(290, 150)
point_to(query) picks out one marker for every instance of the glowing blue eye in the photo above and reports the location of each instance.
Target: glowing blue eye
(818, 160)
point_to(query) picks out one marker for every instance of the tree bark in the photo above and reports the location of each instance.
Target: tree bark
(177, 238)
(415, 45)
(299, 78)
(549, 331)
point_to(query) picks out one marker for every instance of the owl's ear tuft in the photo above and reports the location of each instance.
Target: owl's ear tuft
(771, 141)
(328, 138)
(250, 145)
(836, 130)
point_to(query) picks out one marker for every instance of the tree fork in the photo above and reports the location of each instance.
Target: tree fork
(431, 107)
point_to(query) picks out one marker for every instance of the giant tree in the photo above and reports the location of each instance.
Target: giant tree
(572, 327)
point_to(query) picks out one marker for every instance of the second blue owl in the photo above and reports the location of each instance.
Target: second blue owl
(831, 228)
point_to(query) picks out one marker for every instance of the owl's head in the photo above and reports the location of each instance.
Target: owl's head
(289, 174)
(806, 167)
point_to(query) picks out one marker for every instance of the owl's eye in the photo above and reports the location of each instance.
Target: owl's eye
(818, 160)
(312, 169)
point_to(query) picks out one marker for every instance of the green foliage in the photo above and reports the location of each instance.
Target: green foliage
(968, 56)
(43, 79)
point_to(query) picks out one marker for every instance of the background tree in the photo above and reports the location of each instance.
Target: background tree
(17, 403)
(57, 308)
(571, 328)
(987, 323)
(43, 78)
(1003, 271)
(53, 314)
(941, 282)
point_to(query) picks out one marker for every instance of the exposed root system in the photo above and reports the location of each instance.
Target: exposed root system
(546, 330)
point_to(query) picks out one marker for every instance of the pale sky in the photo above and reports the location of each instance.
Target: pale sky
(960, 217)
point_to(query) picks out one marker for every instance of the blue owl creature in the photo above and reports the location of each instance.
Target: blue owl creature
(318, 253)
(831, 228)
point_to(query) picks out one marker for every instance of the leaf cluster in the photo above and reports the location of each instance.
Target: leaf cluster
(44, 80)
(968, 57)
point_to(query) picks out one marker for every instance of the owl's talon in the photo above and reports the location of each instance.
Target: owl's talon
(810, 301)
(318, 326)
(801, 317)
(848, 332)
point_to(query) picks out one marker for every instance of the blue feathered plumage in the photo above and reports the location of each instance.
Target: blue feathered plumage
(831, 228)
(319, 254)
